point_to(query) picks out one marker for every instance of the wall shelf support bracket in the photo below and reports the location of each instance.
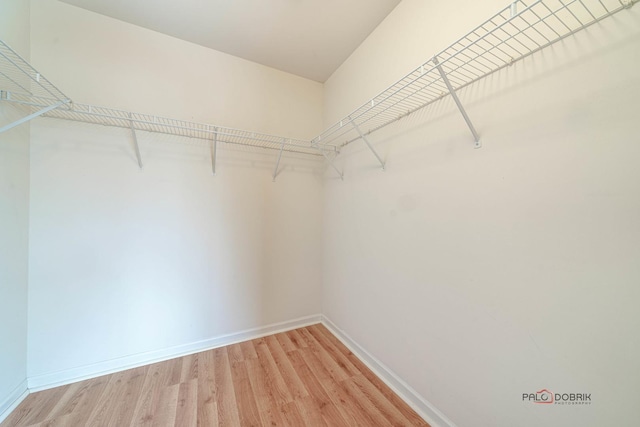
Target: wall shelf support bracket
(275, 171)
(366, 141)
(33, 116)
(135, 142)
(457, 101)
(333, 165)
(214, 150)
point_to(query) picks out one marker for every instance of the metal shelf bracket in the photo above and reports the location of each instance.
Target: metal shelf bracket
(214, 150)
(333, 165)
(514, 9)
(366, 141)
(33, 115)
(457, 101)
(135, 143)
(275, 171)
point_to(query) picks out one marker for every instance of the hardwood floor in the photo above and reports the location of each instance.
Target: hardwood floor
(304, 377)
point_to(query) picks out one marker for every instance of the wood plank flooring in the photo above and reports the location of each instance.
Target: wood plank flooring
(304, 377)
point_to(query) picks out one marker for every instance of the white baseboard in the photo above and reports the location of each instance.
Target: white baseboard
(55, 379)
(419, 404)
(13, 400)
(43, 382)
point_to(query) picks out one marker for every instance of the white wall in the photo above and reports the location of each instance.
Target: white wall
(14, 222)
(479, 275)
(101, 61)
(126, 262)
(476, 275)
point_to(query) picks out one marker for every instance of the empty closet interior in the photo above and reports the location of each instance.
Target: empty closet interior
(457, 202)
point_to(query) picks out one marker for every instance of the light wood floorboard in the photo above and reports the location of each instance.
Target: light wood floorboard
(304, 377)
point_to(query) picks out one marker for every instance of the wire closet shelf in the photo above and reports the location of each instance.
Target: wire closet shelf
(18, 77)
(21, 84)
(517, 31)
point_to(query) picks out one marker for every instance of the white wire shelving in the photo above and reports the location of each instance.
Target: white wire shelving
(517, 31)
(18, 78)
(156, 124)
(21, 84)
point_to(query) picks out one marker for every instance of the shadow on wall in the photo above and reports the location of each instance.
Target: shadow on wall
(146, 260)
(163, 148)
(564, 57)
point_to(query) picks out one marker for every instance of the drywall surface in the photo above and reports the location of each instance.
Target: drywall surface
(14, 222)
(98, 60)
(478, 276)
(411, 35)
(126, 262)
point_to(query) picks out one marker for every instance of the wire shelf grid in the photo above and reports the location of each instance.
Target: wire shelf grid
(148, 123)
(517, 31)
(21, 84)
(19, 77)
